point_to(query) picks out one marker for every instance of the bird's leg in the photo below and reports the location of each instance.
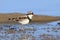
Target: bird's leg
(23, 30)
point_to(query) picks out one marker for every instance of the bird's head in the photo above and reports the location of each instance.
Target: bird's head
(30, 14)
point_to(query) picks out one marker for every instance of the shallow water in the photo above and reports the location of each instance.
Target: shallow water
(34, 31)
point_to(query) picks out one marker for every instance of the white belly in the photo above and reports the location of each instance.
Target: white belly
(25, 21)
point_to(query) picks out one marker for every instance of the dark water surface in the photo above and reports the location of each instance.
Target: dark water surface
(32, 31)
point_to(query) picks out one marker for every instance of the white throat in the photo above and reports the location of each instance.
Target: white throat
(30, 16)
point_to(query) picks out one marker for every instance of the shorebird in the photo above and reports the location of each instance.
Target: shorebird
(26, 19)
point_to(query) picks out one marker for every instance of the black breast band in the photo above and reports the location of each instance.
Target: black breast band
(29, 19)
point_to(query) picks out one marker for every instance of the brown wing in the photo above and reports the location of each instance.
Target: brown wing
(21, 18)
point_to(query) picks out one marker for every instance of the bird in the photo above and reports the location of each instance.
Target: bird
(26, 19)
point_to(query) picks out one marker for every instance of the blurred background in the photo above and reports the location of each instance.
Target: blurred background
(44, 7)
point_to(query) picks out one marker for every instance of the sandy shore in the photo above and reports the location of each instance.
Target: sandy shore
(36, 18)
